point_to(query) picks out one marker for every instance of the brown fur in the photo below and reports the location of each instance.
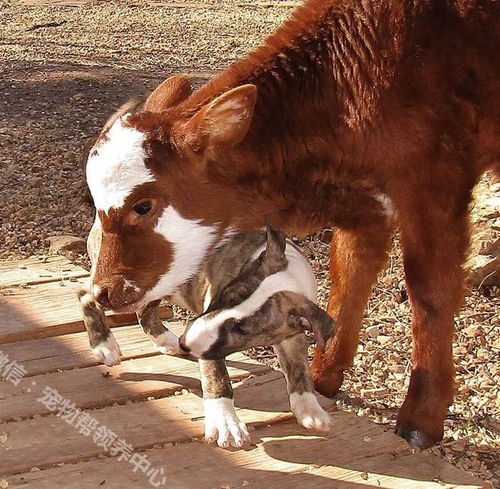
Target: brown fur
(348, 100)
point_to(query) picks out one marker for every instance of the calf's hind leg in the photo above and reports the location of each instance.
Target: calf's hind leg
(434, 250)
(292, 355)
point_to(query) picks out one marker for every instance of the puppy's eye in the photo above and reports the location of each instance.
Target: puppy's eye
(143, 208)
(239, 328)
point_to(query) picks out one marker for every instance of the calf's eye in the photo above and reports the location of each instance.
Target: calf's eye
(143, 208)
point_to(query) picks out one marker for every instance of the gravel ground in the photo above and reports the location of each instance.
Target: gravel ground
(66, 67)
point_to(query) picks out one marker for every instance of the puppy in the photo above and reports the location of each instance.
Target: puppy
(254, 289)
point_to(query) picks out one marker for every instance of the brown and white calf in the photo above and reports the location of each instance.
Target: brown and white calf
(254, 289)
(360, 114)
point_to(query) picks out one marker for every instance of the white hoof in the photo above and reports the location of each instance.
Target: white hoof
(108, 352)
(222, 424)
(167, 343)
(309, 413)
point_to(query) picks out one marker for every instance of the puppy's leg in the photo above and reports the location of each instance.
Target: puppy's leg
(292, 355)
(221, 422)
(102, 342)
(165, 340)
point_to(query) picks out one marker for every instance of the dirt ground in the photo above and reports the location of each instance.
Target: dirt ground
(66, 65)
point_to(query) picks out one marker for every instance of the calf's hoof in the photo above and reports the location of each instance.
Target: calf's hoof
(327, 382)
(420, 427)
(418, 438)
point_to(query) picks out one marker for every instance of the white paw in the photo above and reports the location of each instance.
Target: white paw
(222, 424)
(167, 343)
(309, 413)
(108, 352)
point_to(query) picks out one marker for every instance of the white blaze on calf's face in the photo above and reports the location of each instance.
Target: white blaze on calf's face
(191, 242)
(116, 166)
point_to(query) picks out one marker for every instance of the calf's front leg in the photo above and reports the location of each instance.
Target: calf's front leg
(221, 422)
(357, 256)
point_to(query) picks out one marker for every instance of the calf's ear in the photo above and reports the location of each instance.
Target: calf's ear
(224, 121)
(169, 93)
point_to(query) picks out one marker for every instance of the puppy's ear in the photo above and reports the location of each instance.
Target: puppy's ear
(273, 257)
(276, 241)
(310, 316)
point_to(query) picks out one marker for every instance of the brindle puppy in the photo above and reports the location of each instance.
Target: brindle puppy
(255, 289)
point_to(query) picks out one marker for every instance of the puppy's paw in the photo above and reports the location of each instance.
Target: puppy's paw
(309, 413)
(108, 352)
(167, 343)
(222, 424)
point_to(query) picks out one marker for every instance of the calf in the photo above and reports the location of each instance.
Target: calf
(251, 291)
(360, 114)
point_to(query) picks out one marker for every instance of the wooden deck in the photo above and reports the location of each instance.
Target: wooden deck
(153, 403)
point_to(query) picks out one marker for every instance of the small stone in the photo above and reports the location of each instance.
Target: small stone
(485, 270)
(58, 244)
(3, 437)
(3, 484)
(373, 331)
(383, 340)
(459, 350)
(35, 182)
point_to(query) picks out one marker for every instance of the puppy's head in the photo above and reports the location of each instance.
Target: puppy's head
(220, 333)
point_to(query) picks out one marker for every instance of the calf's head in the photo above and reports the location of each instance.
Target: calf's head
(157, 212)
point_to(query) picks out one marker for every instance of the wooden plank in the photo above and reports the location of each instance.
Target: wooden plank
(73, 351)
(37, 270)
(286, 455)
(403, 471)
(48, 440)
(44, 310)
(100, 385)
